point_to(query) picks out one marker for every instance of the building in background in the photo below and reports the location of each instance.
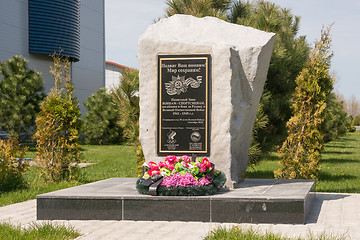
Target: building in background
(37, 28)
(113, 74)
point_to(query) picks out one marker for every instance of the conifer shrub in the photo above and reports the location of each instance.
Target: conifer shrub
(300, 152)
(21, 91)
(100, 122)
(337, 122)
(58, 125)
(126, 97)
(356, 120)
(12, 165)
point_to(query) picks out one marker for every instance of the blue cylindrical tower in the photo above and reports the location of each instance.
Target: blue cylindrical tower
(55, 25)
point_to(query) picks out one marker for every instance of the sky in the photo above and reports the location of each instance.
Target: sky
(126, 20)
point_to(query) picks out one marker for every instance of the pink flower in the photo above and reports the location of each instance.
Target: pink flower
(204, 181)
(203, 169)
(169, 166)
(185, 164)
(171, 159)
(186, 180)
(153, 165)
(186, 158)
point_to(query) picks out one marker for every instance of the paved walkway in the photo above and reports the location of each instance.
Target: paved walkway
(337, 215)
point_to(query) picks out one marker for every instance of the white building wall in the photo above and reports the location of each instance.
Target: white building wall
(112, 76)
(88, 74)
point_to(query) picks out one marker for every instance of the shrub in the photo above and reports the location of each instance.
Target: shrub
(12, 166)
(256, 149)
(126, 98)
(21, 92)
(300, 152)
(352, 129)
(58, 126)
(100, 122)
(337, 122)
(356, 121)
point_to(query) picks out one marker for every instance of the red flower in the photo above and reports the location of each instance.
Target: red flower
(171, 159)
(153, 172)
(162, 164)
(206, 162)
(186, 158)
(153, 165)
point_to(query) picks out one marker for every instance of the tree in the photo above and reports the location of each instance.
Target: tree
(356, 121)
(290, 54)
(21, 91)
(58, 126)
(336, 122)
(260, 124)
(198, 8)
(300, 152)
(126, 98)
(100, 122)
(353, 106)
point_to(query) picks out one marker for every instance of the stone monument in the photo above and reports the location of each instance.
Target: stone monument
(201, 80)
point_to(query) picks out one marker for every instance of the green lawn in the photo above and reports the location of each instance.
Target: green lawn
(340, 168)
(110, 161)
(340, 161)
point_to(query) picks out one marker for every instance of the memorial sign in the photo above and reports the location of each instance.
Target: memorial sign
(183, 104)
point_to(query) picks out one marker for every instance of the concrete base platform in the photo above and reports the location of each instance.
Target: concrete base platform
(253, 201)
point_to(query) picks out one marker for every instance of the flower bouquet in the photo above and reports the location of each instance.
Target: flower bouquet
(179, 176)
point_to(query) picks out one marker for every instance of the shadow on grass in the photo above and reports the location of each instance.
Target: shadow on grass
(324, 176)
(337, 160)
(337, 146)
(336, 152)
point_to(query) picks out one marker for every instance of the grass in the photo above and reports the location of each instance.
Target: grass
(340, 161)
(109, 161)
(45, 231)
(236, 233)
(340, 168)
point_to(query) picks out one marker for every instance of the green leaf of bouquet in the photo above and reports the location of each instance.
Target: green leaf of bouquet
(195, 170)
(178, 166)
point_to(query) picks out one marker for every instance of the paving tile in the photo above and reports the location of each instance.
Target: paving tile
(336, 214)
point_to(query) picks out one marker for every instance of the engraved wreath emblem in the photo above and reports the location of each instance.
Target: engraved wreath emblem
(180, 85)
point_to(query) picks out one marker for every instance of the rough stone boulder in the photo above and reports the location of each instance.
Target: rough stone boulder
(240, 60)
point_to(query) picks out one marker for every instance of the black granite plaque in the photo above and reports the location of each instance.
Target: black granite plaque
(183, 105)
